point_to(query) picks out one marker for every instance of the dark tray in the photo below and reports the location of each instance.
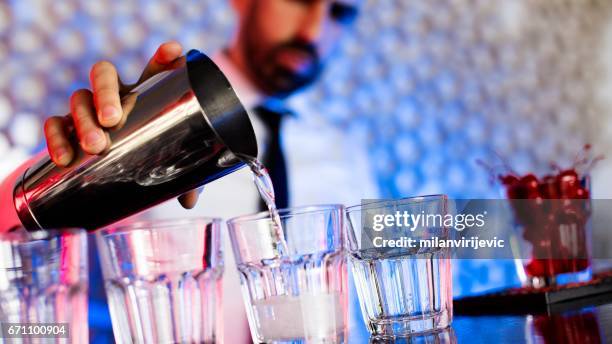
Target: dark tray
(543, 300)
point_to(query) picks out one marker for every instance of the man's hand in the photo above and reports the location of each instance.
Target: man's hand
(94, 112)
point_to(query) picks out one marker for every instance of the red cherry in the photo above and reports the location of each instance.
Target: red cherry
(541, 268)
(568, 173)
(568, 183)
(509, 179)
(582, 193)
(535, 268)
(530, 183)
(514, 192)
(530, 180)
(549, 188)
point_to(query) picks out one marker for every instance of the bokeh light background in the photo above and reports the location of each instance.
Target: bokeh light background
(432, 86)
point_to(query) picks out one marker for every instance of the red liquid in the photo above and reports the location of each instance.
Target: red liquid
(578, 328)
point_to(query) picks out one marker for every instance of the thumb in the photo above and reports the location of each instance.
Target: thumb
(164, 58)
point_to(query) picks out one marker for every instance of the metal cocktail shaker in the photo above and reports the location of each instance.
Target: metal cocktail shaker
(186, 128)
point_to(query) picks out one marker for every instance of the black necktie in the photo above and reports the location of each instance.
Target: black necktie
(273, 158)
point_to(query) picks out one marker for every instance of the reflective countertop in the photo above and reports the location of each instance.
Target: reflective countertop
(585, 324)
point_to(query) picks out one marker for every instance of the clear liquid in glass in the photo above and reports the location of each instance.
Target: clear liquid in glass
(297, 303)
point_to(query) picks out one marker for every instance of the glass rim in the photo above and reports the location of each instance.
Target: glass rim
(152, 224)
(20, 234)
(402, 201)
(286, 212)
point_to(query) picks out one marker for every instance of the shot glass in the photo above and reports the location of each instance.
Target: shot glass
(43, 286)
(163, 280)
(402, 290)
(296, 291)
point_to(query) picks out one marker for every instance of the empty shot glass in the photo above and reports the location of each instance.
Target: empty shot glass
(295, 291)
(404, 286)
(43, 286)
(163, 280)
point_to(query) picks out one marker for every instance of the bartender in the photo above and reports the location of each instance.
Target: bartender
(279, 48)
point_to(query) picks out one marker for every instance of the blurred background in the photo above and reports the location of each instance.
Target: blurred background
(431, 86)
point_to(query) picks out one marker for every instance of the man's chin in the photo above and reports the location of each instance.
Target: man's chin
(283, 90)
(284, 85)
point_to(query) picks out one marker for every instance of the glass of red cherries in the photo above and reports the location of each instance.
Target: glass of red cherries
(552, 216)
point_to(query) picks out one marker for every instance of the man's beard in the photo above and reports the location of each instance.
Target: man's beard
(275, 79)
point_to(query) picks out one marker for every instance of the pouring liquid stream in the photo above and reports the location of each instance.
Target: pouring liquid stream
(266, 191)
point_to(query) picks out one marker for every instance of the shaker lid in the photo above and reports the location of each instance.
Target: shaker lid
(221, 105)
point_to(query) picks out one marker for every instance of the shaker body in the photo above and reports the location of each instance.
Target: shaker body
(186, 128)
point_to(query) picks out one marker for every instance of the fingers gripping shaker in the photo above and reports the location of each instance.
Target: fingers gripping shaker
(186, 128)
